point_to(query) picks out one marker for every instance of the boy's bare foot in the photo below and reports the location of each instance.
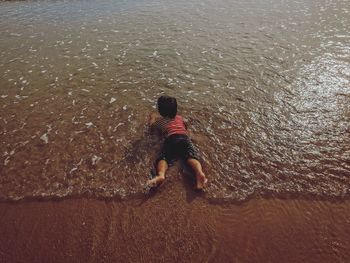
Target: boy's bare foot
(201, 181)
(156, 181)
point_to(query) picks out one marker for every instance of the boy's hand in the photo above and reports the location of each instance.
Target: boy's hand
(152, 118)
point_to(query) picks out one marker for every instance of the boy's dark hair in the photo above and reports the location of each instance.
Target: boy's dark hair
(167, 106)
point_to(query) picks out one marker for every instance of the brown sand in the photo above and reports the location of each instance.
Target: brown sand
(174, 225)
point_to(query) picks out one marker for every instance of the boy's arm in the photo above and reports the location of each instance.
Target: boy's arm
(189, 132)
(195, 136)
(185, 121)
(152, 118)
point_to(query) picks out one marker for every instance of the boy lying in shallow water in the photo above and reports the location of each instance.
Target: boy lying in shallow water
(177, 144)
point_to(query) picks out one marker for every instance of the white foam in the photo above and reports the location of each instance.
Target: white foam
(45, 138)
(119, 124)
(89, 124)
(73, 169)
(7, 160)
(95, 159)
(112, 100)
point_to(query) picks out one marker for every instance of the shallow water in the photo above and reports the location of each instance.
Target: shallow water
(264, 86)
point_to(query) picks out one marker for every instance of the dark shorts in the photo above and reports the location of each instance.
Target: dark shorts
(177, 146)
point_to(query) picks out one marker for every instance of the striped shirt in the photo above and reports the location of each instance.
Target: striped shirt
(171, 126)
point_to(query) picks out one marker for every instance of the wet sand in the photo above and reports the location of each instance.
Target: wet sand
(174, 225)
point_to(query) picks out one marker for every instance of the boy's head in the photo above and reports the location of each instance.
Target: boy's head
(167, 106)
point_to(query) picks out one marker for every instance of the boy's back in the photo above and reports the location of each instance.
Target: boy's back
(168, 126)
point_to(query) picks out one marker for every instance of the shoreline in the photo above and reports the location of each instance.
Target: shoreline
(174, 226)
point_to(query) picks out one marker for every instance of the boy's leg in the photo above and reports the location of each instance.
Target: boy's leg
(200, 176)
(162, 166)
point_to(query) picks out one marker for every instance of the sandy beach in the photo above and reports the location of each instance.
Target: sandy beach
(174, 225)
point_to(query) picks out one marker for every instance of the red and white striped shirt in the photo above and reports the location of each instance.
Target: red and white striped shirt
(171, 126)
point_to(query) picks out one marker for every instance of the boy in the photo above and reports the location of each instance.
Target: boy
(176, 144)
